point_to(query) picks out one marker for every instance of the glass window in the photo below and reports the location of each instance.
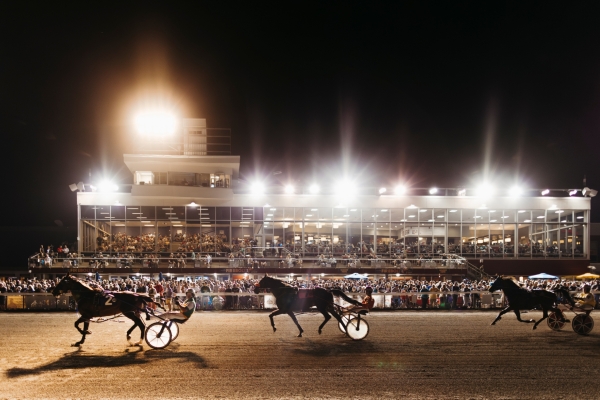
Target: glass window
(236, 213)
(182, 178)
(117, 212)
(148, 213)
(192, 213)
(88, 212)
(164, 237)
(207, 213)
(148, 238)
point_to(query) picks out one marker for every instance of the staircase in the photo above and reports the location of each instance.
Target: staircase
(476, 273)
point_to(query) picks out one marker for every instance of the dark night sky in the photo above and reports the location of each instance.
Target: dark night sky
(431, 93)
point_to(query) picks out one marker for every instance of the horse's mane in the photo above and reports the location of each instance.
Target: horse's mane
(277, 280)
(82, 284)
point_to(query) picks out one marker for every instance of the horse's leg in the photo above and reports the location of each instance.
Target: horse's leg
(544, 316)
(499, 317)
(291, 314)
(518, 314)
(131, 315)
(327, 318)
(85, 331)
(274, 313)
(559, 314)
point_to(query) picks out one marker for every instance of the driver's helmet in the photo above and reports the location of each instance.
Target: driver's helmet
(369, 290)
(586, 288)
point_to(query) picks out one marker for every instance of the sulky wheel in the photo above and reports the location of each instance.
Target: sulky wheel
(554, 322)
(174, 330)
(357, 329)
(583, 324)
(157, 339)
(345, 318)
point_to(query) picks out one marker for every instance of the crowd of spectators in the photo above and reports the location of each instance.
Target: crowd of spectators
(404, 293)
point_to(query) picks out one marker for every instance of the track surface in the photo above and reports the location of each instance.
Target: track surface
(409, 354)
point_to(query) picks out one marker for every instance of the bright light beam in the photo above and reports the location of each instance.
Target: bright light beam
(155, 123)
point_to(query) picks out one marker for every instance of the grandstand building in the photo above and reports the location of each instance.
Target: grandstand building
(187, 198)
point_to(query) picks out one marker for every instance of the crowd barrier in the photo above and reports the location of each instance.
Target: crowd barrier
(224, 301)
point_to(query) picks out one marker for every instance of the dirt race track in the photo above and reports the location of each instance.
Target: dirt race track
(423, 355)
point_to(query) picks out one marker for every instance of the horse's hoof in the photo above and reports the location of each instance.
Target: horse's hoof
(299, 335)
(493, 323)
(274, 329)
(534, 327)
(320, 332)
(88, 332)
(76, 345)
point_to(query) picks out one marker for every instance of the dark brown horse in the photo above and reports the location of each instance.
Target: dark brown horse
(93, 303)
(290, 299)
(523, 299)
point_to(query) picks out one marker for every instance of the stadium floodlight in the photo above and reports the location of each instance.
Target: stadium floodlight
(257, 188)
(77, 186)
(314, 189)
(345, 188)
(433, 190)
(289, 189)
(515, 191)
(586, 191)
(573, 192)
(485, 190)
(155, 123)
(545, 192)
(106, 186)
(399, 190)
(382, 190)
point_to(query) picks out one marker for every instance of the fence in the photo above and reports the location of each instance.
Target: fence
(247, 301)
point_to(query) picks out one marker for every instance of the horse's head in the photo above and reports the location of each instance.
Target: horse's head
(65, 285)
(497, 284)
(267, 283)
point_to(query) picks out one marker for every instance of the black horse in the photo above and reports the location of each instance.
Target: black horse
(290, 299)
(523, 299)
(98, 303)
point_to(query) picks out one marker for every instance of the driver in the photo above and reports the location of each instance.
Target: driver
(368, 301)
(186, 307)
(585, 299)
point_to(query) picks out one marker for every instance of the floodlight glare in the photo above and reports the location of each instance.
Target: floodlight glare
(515, 191)
(382, 190)
(545, 192)
(155, 123)
(399, 189)
(572, 192)
(314, 189)
(485, 190)
(257, 188)
(345, 188)
(433, 190)
(106, 186)
(289, 189)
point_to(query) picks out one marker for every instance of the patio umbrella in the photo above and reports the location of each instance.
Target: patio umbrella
(356, 275)
(588, 275)
(543, 275)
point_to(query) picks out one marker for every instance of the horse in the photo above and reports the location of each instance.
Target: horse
(290, 299)
(98, 303)
(523, 299)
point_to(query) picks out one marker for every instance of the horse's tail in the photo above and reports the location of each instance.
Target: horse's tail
(566, 295)
(339, 293)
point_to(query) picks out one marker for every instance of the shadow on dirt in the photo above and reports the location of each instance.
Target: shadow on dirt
(324, 349)
(132, 356)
